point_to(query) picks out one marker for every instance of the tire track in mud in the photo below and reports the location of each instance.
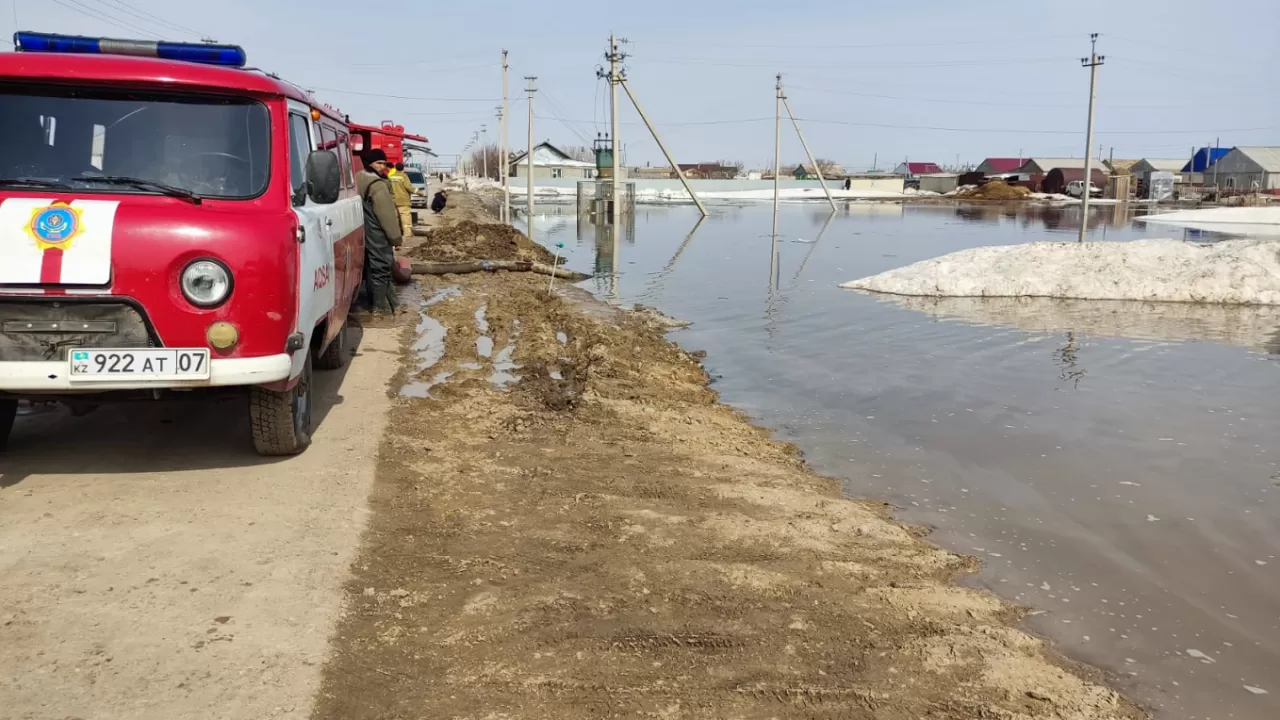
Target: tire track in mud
(602, 539)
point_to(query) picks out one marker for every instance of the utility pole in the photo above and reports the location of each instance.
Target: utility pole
(484, 149)
(777, 151)
(528, 156)
(614, 77)
(506, 146)
(502, 151)
(805, 144)
(1092, 62)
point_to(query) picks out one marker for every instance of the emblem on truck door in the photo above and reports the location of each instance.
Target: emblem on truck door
(54, 226)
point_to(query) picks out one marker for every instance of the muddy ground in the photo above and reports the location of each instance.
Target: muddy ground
(589, 534)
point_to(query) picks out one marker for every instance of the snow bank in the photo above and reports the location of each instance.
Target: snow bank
(1208, 216)
(1232, 272)
(1232, 220)
(1251, 326)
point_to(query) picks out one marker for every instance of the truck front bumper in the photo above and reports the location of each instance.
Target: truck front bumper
(55, 376)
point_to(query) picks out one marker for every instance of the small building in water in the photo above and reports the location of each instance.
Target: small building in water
(940, 183)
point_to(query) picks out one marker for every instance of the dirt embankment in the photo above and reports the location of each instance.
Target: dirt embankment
(997, 190)
(600, 538)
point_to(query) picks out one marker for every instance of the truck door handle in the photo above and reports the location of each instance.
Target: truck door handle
(328, 222)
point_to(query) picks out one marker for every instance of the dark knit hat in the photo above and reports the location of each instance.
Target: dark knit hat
(372, 156)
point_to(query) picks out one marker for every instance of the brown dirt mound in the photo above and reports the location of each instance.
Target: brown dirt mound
(998, 190)
(469, 240)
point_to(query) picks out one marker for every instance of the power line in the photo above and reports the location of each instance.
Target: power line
(829, 66)
(78, 7)
(678, 124)
(401, 97)
(145, 16)
(1034, 132)
(558, 111)
(1037, 40)
(983, 103)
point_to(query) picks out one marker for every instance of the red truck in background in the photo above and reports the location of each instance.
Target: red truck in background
(387, 137)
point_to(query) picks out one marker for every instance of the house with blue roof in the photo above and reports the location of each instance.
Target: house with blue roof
(1205, 157)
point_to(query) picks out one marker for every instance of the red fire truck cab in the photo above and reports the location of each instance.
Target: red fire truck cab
(170, 222)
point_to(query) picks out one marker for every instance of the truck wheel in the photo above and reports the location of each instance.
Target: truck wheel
(337, 354)
(281, 421)
(8, 412)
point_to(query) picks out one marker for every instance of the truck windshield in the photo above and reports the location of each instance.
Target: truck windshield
(214, 147)
(415, 176)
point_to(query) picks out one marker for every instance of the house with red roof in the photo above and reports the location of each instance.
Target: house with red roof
(916, 169)
(999, 166)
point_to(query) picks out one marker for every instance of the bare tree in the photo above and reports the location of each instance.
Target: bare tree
(737, 165)
(490, 155)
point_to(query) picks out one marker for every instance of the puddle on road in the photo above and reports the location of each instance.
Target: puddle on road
(484, 343)
(503, 366)
(428, 345)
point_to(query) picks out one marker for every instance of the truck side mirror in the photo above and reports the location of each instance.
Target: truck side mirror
(324, 177)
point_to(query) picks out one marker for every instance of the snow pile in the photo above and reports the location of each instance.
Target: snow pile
(1251, 326)
(1232, 272)
(1230, 220)
(1241, 215)
(1055, 197)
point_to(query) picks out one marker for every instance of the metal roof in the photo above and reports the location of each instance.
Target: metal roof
(1267, 157)
(1173, 165)
(1048, 164)
(1002, 165)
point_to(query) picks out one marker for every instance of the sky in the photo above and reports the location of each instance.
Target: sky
(871, 82)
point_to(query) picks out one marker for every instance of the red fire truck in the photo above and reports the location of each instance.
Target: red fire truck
(171, 222)
(387, 137)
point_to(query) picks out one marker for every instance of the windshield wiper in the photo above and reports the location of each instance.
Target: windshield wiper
(34, 182)
(142, 184)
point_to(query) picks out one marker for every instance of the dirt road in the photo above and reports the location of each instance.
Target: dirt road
(151, 566)
(566, 524)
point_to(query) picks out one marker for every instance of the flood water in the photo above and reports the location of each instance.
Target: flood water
(1114, 465)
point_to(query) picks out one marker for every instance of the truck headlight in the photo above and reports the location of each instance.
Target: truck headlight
(206, 283)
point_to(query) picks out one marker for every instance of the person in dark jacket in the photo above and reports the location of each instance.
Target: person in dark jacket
(438, 202)
(382, 233)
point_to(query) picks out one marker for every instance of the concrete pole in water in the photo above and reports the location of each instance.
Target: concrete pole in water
(812, 161)
(777, 150)
(616, 207)
(1092, 62)
(667, 153)
(528, 156)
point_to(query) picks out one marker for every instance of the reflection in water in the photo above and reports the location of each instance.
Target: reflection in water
(603, 236)
(813, 246)
(1253, 326)
(657, 285)
(1067, 359)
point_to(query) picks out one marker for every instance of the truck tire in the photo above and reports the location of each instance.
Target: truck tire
(337, 354)
(281, 421)
(8, 412)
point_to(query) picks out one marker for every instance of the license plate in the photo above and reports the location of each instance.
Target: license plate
(115, 365)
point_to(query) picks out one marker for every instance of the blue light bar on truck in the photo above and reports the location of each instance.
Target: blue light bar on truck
(225, 55)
